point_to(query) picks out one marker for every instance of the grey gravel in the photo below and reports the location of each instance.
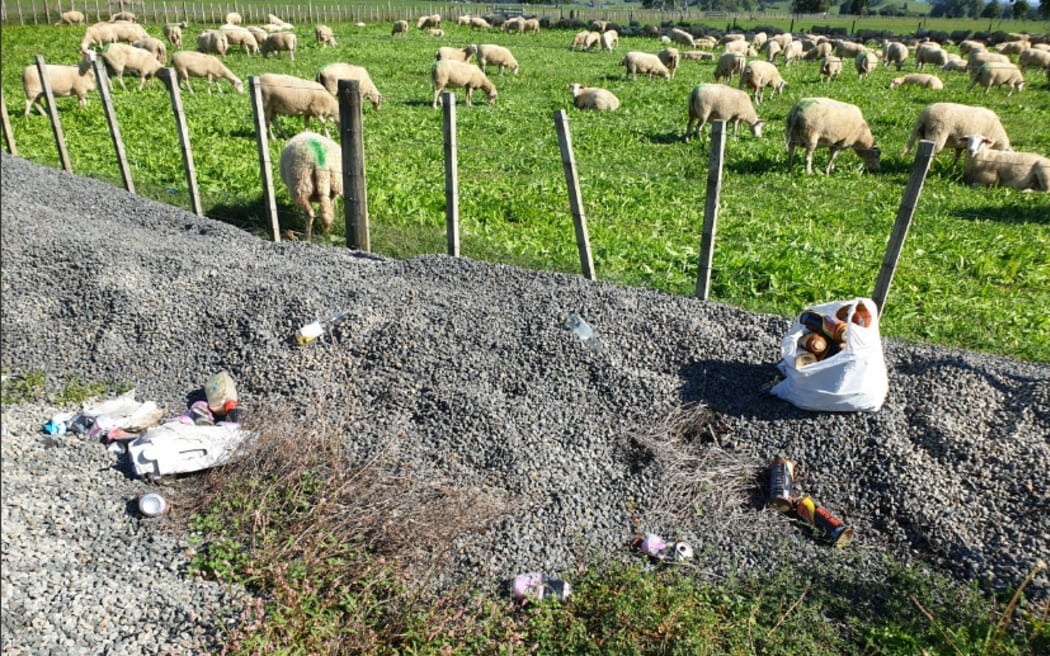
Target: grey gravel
(470, 370)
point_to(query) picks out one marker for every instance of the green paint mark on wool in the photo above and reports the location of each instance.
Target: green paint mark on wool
(319, 151)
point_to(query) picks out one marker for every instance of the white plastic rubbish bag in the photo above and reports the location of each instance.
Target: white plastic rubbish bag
(177, 448)
(854, 379)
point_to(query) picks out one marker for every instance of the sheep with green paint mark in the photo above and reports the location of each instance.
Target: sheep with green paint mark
(311, 168)
(823, 122)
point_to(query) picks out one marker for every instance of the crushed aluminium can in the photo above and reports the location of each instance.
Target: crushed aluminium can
(815, 515)
(152, 504)
(781, 477)
(673, 552)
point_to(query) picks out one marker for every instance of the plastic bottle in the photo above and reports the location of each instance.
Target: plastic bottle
(315, 329)
(585, 333)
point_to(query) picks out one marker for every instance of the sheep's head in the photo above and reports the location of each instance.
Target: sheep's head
(576, 87)
(492, 96)
(975, 142)
(872, 157)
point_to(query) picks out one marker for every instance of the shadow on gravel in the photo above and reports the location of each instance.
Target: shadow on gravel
(735, 389)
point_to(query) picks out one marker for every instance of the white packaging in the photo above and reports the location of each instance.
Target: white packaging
(177, 448)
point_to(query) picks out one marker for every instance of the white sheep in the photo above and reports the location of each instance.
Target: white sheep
(995, 75)
(435, 32)
(190, 63)
(514, 24)
(123, 17)
(819, 51)
(1013, 47)
(532, 26)
(948, 125)
(213, 41)
(682, 37)
(792, 52)
(729, 65)
(1033, 58)
(594, 98)
(99, 34)
(819, 122)
(955, 63)
(155, 46)
(987, 167)
(279, 41)
(718, 101)
(460, 75)
(463, 20)
(400, 27)
(770, 49)
(740, 48)
(259, 33)
(233, 18)
(698, 55)
(448, 53)
(325, 36)
(894, 53)
(865, 63)
(609, 40)
(930, 53)
(971, 45)
(120, 57)
(240, 36)
(636, 62)
(758, 75)
(924, 80)
(490, 54)
(65, 81)
(979, 58)
(330, 75)
(670, 57)
(580, 40)
(71, 17)
(479, 23)
(287, 95)
(278, 23)
(830, 67)
(173, 33)
(848, 49)
(433, 20)
(311, 167)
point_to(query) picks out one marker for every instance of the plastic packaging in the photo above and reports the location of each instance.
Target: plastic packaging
(584, 331)
(177, 448)
(673, 552)
(315, 329)
(536, 585)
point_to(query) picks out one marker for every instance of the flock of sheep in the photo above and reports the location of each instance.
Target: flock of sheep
(310, 162)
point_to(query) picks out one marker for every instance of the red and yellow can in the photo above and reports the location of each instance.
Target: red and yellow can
(817, 516)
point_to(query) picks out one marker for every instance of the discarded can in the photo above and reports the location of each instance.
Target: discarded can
(673, 552)
(829, 327)
(805, 359)
(861, 316)
(152, 504)
(817, 516)
(536, 585)
(781, 476)
(815, 344)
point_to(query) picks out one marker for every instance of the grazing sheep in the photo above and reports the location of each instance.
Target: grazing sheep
(848, 49)
(759, 40)
(770, 49)
(240, 36)
(400, 27)
(233, 18)
(968, 46)
(490, 54)
(532, 26)
(65, 81)
(120, 57)
(448, 53)
(259, 33)
(71, 17)
(979, 58)
(819, 51)
(580, 40)
(173, 33)
(460, 75)
(817, 122)
(154, 46)
(830, 67)
(718, 101)
(278, 23)
(279, 41)
(930, 53)
(479, 23)
(325, 36)
(435, 32)
(987, 167)
(514, 24)
(330, 75)
(729, 65)
(995, 75)
(948, 124)
(894, 53)
(758, 75)
(740, 48)
(670, 59)
(731, 38)
(1012, 47)
(637, 62)
(433, 20)
(99, 34)
(698, 55)
(213, 41)
(792, 52)
(924, 80)
(123, 17)
(682, 37)
(955, 63)
(1033, 58)
(311, 167)
(865, 64)
(287, 95)
(463, 20)
(594, 98)
(190, 63)
(609, 40)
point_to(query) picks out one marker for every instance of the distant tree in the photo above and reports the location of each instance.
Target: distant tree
(1044, 9)
(974, 7)
(1020, 9)
(810, 6)
(859, 7)
(991, 10)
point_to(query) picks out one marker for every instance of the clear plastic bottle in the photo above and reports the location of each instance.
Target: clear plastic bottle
(585, 333)
(315, 329)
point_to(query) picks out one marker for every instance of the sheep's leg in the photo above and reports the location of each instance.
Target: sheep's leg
(470, 92)
(437, 96)
(791, 155)
(831, 159)
(689, 128)
(809, 158)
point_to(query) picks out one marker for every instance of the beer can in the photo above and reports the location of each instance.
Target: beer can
(815, 344)
(804, 359)
(152, 504)
(817, 516)
(781, 476)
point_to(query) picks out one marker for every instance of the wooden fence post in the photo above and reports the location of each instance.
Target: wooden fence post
(714, 192)
(909, 200)
(56, 124)
(47, 12)
(184, 142)
(448, 100)
(263, 145)
(355, 201)
(102, 82)
(9, 137)
(572, 181)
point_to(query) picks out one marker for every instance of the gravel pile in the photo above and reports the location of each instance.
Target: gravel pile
(469, 371)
